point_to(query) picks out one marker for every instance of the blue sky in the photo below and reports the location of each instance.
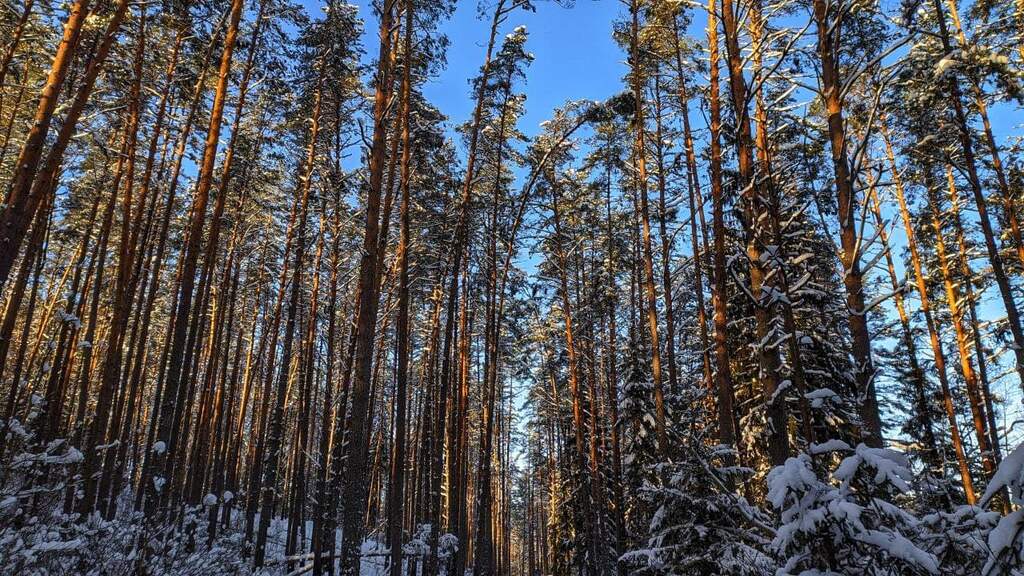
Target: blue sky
(576, 57)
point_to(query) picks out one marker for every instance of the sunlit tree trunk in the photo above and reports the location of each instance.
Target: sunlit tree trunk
(396, 494)
(968, 279)
(163, 461)
(955, 302)
(728, 430)
(917, 374)
(753, 209)
(354, 485)
(933, 334)
(137, 349)
(974, 181)
(829, 29)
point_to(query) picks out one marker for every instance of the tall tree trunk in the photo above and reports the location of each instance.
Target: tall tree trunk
(753, 199)
(213, 248)
(956, 312)
(355, 488)
(775, 227)
(323, 509)
(305, 377)
(396, 494)
(969, 297)
(276, 426)
(640, 151)
(933, 333)
(728, 430)
(138, 349)
(88, 345)
(829, 30)
(485, 559)
(973, 179)
(163, 460)
(54, 396)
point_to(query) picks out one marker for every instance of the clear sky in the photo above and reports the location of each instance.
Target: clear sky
(575, 57)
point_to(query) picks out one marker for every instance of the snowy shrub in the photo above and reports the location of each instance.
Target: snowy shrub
(1006, 540)
(957, 538)
(418, 545)
(58, 543)
(699, 526)
(847, 523)
(447, 547)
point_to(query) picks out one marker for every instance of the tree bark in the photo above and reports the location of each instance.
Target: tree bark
(988, 232)
(396, 494)
(933, 333)
(355, 489)
(728, 430)
(954, 301)
(829, 30)
(753, 199)
(164, 460)
(636, 67)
